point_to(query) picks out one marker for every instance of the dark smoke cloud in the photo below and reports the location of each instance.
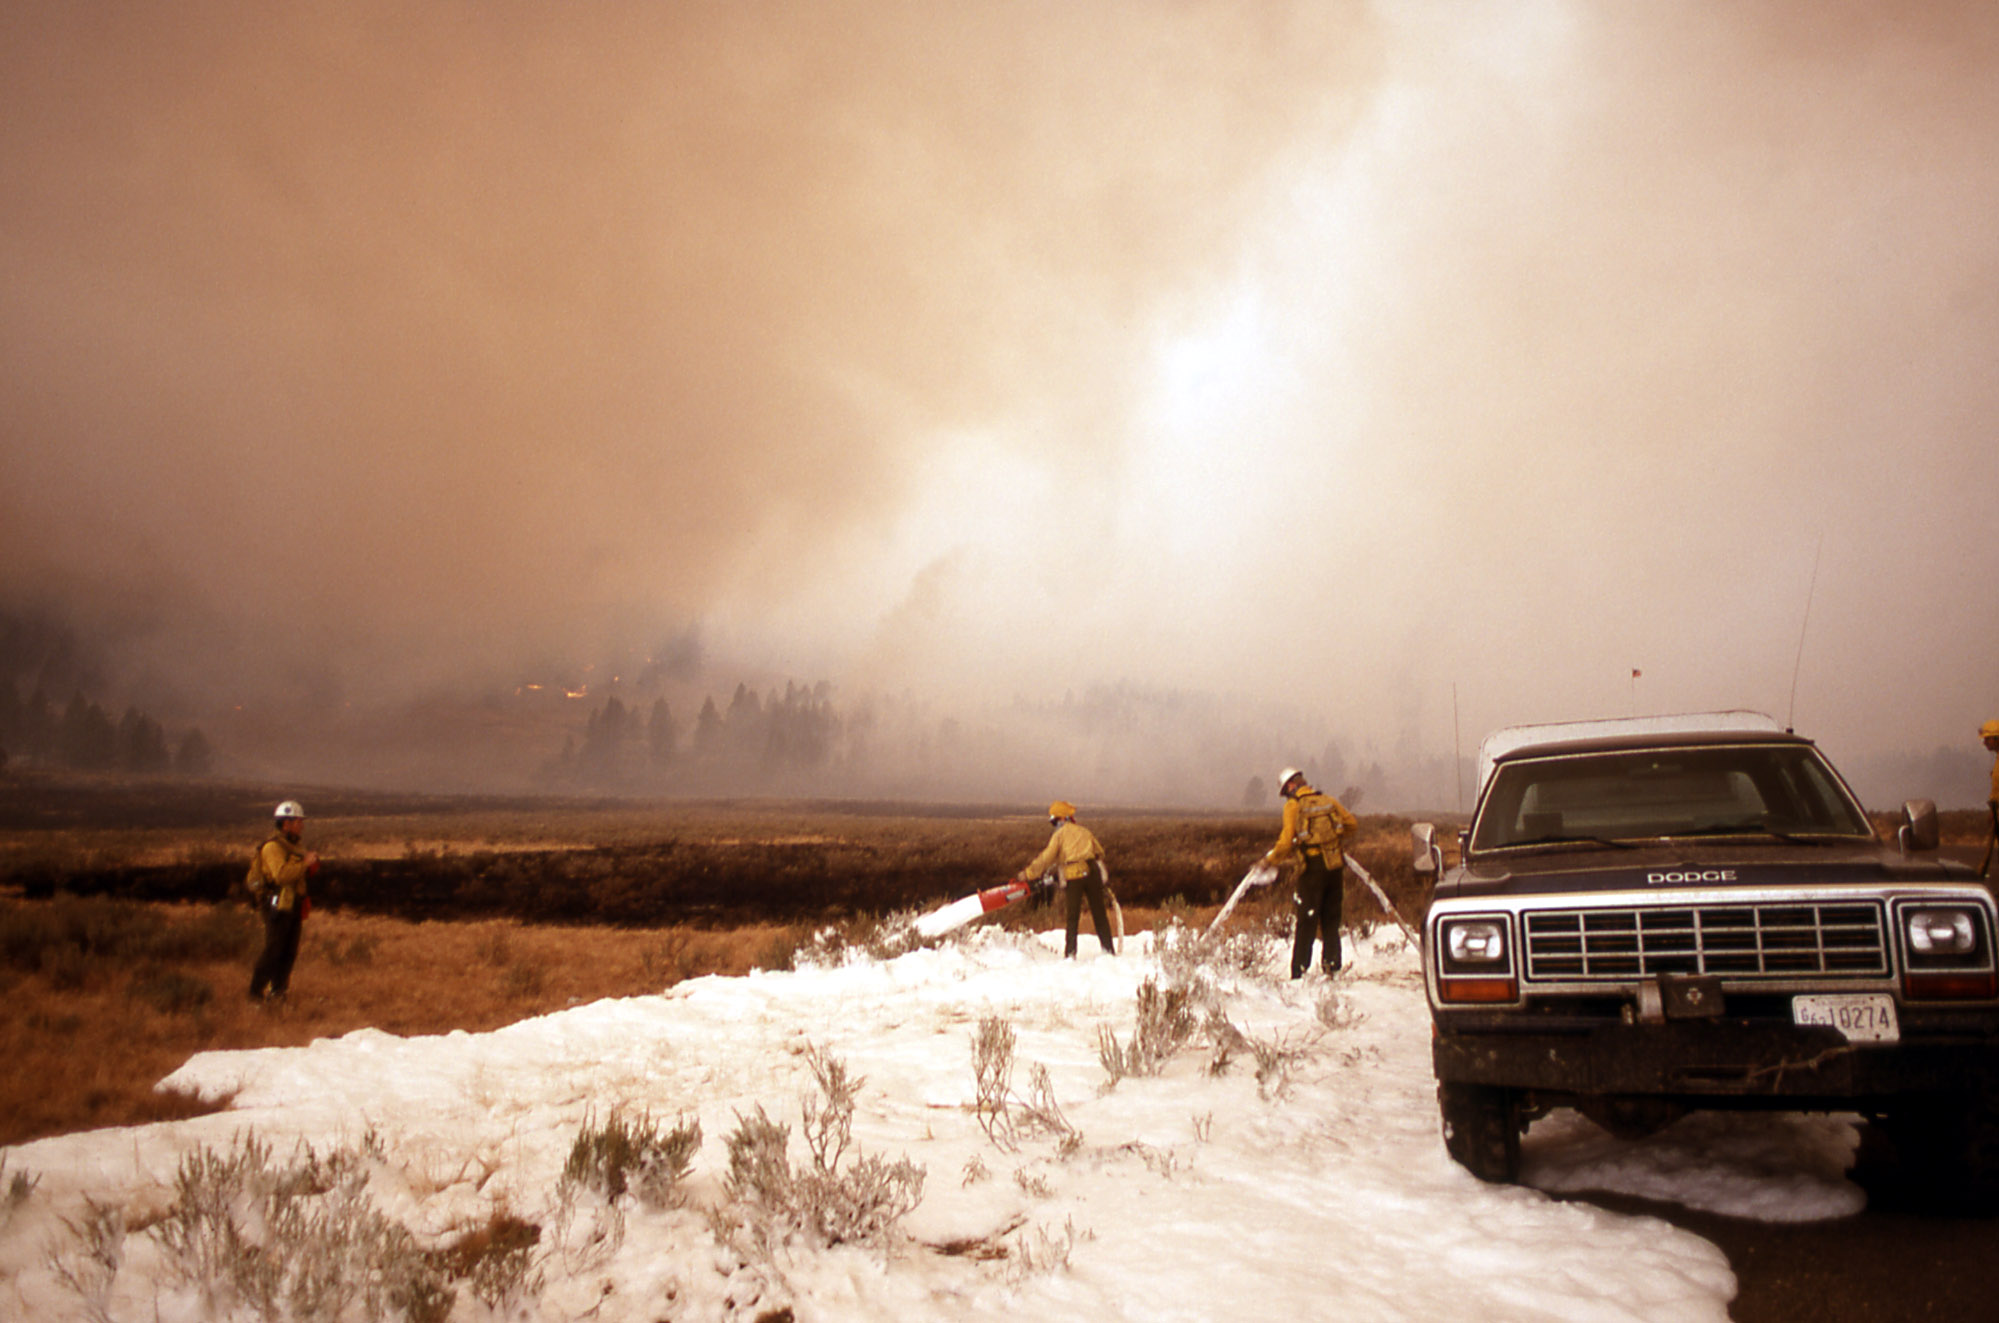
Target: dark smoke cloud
(1319, 359)
(457, 330)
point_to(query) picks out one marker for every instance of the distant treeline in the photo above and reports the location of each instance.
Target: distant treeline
(793, 731)
(800, 740)
(40, 654)
(83, 736)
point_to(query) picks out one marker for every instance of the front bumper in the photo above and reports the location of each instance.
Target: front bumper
(1709, 1062)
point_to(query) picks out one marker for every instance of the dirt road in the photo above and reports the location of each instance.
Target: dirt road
(1899, 1260)
(1896, 1261)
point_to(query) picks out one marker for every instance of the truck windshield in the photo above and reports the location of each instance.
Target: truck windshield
(1781, 790)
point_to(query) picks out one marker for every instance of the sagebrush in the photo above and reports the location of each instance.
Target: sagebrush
(298, 1240)
(632, 1154)
(1165, 1023)
(1001, 1112)
(823, 1200)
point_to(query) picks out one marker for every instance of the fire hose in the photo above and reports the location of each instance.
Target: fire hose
(962, 911)
(1263, 873)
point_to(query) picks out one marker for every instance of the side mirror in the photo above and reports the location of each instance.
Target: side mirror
(1429, 856)
(1919, 826)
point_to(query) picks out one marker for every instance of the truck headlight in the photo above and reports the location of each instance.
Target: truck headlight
(1941, 932)
(1947, 953)
(1475, 942)
(1475, 963)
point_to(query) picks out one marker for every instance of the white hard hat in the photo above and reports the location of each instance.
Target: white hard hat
(1284, 778)
(291, 808)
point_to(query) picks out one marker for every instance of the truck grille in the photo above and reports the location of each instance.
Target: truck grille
(1736, 941)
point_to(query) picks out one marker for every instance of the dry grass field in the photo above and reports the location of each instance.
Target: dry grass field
(125, 947)
(86, 1036)
(91, 1025)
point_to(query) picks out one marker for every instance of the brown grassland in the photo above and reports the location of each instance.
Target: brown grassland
(125, 944)
(86, 1037)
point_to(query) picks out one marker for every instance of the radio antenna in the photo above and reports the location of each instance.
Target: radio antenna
(1791, 713)
(1457, 770)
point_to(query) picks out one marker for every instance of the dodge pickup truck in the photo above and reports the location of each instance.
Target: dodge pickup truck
(1656, 915)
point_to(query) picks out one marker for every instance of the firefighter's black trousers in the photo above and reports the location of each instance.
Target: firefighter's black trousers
(1091, 884)
(273, 972)
(1316, 910)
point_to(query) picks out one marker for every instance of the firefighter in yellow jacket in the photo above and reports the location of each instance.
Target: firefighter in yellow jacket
(1989, 732)
(1075, 851)
(280, 873)
(1314, 823)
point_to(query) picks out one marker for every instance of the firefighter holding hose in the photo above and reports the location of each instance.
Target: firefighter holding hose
(1989, 733)
(1075, 850)
(1314, 823)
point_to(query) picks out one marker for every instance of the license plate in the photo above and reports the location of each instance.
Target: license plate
(1860, 1017)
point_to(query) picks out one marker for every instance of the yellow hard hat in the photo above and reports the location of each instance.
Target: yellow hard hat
(1061, 808)
(1988, 730)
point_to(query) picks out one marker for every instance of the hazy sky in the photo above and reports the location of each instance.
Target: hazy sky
(1336, 353)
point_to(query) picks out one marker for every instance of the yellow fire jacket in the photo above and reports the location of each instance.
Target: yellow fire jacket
(1293, 837)
(1071, 846)
(278, 865)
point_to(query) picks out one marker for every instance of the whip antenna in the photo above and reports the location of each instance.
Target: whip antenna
(1457, 767)
(1798, 665)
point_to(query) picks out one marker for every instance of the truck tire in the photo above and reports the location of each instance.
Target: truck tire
(1482, 1129)
(1951, 1147)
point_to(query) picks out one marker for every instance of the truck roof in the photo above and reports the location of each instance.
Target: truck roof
(1507, 739)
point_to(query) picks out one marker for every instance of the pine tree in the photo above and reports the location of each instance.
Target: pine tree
(800, 728)
(12, 713)
(192, 756)
(601, 757)
(87, 739)
(746, 726)
(708, 728)
(142, 744)
(661, 736)
(1333, 769)
(38, 726)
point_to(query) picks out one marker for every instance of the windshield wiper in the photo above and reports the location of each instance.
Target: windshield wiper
(1754, 829)
(1569, 840)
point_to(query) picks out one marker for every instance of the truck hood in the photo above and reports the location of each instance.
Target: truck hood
(1695, 865)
